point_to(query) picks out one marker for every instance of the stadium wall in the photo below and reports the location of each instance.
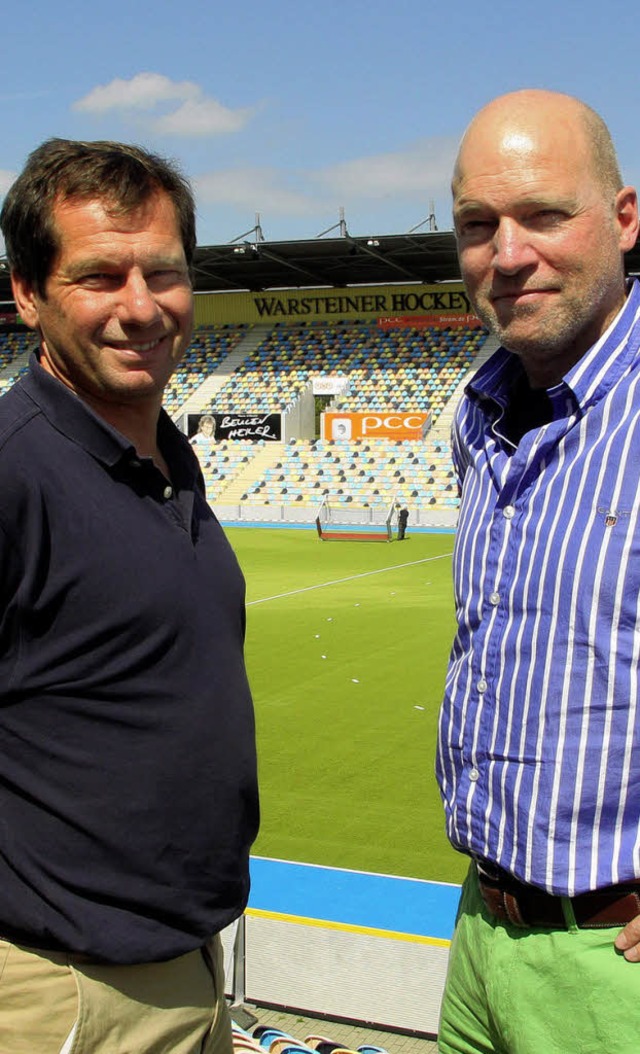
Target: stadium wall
(343, 944)
(304, 516)
(306, 305)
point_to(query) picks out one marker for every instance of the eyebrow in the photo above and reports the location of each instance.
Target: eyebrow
(104, 262)
(550, 201)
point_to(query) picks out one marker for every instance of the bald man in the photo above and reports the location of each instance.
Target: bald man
(539, 732)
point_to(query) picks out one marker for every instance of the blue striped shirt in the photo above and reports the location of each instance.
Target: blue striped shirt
(539, 739)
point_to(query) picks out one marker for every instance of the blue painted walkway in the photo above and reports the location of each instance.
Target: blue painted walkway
(354, 898)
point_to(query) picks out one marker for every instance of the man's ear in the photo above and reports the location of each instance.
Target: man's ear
(26, 300)
(627, 216)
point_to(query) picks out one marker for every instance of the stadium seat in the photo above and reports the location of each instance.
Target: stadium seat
(266, 1036)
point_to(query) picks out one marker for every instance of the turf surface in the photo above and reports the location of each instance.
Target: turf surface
(347, 644)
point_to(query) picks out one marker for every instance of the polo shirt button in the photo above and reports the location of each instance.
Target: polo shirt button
(168, 492)
(494, 598)
(508, 512)
(474, 775)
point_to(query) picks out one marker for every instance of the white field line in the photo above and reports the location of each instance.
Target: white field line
(351, 578)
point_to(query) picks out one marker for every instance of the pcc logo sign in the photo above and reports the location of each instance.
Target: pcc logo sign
(375, 425)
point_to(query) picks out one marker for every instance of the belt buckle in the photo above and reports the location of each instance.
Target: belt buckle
(500, 901)
(507, 899)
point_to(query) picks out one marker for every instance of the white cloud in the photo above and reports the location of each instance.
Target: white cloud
(174, 107)
(422, 169)
(258, 189)
(142, 92)
(202, 117)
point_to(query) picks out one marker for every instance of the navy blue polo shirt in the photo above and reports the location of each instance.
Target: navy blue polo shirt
(128, 798)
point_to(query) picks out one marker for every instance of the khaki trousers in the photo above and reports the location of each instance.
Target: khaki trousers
(51, 1003)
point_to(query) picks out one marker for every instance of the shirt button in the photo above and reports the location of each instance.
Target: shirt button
(135, 463)
(474, 775)
(482, 685)
(168, 492)
(494, 598)
(508, 512)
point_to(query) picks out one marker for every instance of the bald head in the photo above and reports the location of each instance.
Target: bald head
(542, 223)
(520, 115)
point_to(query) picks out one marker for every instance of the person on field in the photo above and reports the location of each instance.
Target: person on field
(540, 725)
(127, 759)
(403, 519)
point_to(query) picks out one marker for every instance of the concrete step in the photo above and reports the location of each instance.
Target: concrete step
(251, 473)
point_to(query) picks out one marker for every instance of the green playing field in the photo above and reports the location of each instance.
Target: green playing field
(347, 645)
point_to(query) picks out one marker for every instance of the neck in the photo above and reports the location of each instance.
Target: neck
(137, 422)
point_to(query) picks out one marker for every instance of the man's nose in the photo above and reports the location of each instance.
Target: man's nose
(513, 248)
(137, 303)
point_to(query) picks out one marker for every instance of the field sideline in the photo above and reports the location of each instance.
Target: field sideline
(347, 644)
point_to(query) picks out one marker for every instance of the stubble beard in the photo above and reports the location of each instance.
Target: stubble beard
(564, 332)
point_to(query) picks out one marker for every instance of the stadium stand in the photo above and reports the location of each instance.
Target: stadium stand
(15, 349)
(342, 1038)
(404, 369)
(224, 462)
(358, 472)
(265, 1039)
(209, 347)
(412, 369)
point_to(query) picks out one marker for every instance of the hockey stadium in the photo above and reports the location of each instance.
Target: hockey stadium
(318, 392)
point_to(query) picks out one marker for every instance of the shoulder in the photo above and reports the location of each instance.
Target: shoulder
(17, 411)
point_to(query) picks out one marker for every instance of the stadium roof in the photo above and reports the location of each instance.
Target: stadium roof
(333, 262)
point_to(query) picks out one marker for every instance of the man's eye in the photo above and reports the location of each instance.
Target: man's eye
(97, 278)
(476, 227)
(548, 217)
(165, 276)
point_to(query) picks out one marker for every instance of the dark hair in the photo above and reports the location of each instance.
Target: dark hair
(122, 176)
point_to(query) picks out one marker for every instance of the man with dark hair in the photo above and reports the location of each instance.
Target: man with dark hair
(128, 797)
(540, 724)
(124, 175)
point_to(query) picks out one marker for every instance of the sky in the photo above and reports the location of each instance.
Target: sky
(296, 110)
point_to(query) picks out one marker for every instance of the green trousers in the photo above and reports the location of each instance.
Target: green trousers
(519, 991)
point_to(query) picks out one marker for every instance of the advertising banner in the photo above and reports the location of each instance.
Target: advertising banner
(357, 303)
(428, 321)
(329, 385)
(373, 425)
(205, 429)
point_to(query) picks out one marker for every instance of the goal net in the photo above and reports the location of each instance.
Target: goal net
(338, 523)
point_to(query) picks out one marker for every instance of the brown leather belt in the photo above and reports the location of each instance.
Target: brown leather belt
(512, 901)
